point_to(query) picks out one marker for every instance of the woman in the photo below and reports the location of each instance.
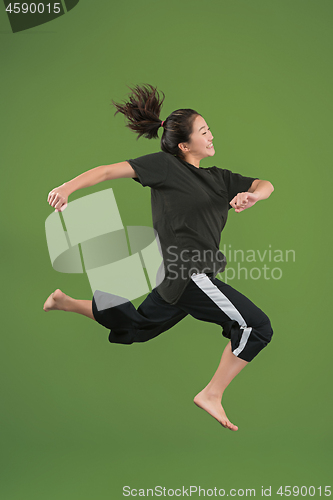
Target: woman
(189, 207)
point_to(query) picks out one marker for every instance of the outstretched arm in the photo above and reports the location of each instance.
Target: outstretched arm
(58, 197)
(259, 190)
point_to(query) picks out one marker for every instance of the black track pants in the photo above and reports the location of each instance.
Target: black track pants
(205, 298)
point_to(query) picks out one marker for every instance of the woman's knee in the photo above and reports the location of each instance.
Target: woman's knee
(264, 329)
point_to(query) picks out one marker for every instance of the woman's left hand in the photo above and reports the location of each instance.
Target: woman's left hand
(244, 200)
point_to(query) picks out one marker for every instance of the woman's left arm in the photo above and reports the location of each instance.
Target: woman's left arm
(259, 190)
(263, 188)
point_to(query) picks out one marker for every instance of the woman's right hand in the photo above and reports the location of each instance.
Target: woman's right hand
(58, 198)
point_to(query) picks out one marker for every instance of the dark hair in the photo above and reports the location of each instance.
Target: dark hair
(143, 114)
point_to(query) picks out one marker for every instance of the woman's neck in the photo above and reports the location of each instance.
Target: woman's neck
(192, 160)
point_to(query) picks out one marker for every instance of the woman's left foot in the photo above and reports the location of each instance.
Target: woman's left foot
(56, 301)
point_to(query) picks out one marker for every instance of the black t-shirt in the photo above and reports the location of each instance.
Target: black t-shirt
(189, 210)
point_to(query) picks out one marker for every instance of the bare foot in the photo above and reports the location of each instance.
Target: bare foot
(214, 408)
(56, 301)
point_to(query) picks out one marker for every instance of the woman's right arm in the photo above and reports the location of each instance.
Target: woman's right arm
(58, 197)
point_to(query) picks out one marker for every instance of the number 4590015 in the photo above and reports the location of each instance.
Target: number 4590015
(33, 8)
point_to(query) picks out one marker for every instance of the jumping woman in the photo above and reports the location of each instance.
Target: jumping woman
(189, 210)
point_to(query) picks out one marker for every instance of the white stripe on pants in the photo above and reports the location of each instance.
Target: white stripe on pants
(215, 294)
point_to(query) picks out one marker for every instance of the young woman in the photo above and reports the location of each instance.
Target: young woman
(189, 208)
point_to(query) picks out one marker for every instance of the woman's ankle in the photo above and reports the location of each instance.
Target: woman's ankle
(212, 393)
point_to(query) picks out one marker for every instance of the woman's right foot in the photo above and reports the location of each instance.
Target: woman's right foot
(214, 408)
(56, 301)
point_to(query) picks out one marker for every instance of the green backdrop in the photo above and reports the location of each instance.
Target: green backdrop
(82, 418)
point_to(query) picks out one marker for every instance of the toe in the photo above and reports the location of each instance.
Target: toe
(231, 426)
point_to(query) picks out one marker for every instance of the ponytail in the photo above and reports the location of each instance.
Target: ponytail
(143, 114)
(142, 111)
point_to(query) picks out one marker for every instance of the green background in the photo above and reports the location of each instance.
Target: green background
(80, 417)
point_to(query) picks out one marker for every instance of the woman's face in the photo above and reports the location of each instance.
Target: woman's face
(201, 139)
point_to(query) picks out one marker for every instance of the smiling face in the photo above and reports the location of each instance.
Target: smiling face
(200, 144)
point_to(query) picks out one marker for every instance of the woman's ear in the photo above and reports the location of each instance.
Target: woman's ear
(183, 147)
